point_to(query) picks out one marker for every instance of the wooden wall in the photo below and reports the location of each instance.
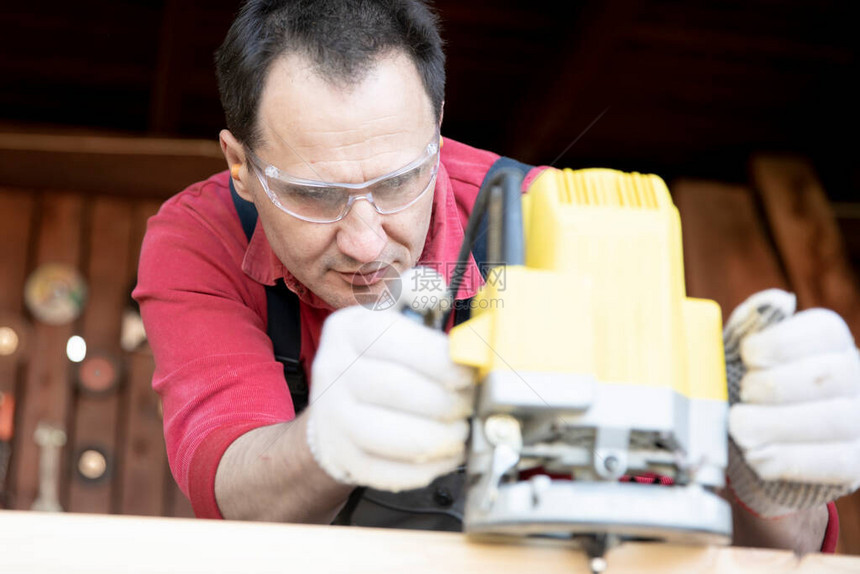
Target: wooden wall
(100, 235)
(776, 230)
(87, 211)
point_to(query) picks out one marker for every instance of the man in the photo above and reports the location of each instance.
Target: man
(352, 92)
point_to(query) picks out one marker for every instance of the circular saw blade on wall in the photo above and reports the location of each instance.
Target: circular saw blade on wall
(55, 293)
(99, 373)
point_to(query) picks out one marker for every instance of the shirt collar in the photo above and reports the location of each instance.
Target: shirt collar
(444, 237)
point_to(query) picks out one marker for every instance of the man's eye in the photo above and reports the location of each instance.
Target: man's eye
(397, 181)
(307, 195)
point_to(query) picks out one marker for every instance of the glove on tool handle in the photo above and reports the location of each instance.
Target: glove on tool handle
(423, 296)
(767, 498)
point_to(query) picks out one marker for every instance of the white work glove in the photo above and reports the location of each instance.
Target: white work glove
(794, 382)
(388, 409)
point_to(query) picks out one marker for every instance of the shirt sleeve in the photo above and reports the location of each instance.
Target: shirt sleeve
(831, 534)
(206, 324)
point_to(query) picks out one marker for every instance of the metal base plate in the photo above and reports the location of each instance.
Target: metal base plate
(685, 515)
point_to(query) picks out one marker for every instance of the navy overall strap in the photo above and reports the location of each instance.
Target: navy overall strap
(438, 506)
(462, 309)
(284, 320)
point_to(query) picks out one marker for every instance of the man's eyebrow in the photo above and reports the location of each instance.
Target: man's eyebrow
(405, 176)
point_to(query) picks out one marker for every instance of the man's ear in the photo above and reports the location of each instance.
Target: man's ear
(441, 115)
(234, 153)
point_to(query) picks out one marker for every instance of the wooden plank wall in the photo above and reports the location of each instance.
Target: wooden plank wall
(99, 235)
(776, 231)
(118, 183)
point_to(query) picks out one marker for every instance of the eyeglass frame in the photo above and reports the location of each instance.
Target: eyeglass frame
(264, 170)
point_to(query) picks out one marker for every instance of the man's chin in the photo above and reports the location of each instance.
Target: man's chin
(339, 300)
(342, 296)
(378, 294)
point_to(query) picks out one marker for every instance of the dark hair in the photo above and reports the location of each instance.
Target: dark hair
(342, 38)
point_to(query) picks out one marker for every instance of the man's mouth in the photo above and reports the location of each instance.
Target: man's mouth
(367, 277)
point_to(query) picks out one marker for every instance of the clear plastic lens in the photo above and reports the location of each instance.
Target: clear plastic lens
(310, 200)
(322, 202)
(403, 188)
(388, 194)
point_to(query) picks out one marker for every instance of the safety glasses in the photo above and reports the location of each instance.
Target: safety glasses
(326, 202)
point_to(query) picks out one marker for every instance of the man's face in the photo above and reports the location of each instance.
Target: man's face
(315, 130)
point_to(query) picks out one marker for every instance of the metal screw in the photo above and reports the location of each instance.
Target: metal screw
(611, 463)
(503, 429)
(598, 565)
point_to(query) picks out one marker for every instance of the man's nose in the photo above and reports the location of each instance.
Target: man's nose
(361, 236)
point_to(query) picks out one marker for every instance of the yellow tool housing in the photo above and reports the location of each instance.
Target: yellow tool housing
(602, 291)
(594, 365)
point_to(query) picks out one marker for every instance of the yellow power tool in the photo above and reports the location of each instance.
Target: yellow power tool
(595, 368)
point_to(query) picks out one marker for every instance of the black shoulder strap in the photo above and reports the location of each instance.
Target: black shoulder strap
(283, 312)
(462, 309)
(421, 508)
(479, 250)
(284, 320)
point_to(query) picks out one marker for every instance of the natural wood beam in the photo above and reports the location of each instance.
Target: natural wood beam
(102, 544)
(149, 167)
(807, 234)
(727, 254)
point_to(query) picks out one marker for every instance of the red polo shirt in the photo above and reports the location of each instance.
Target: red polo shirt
(203, 301)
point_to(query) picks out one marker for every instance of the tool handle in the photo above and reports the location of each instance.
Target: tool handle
(500, 200)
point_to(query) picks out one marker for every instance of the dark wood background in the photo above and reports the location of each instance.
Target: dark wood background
(678, 87)
(746, 108)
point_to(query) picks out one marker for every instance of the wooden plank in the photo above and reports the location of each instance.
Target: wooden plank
(147, 167)
(96, 416)
(144, 457)
(808, 237)
(811, 245)
(16, 215)
(141, 485)
(176, 504)
(576, 91)
(145, 468)
(107, 544)
(727, 255)
(46, 394)
(849, 227)
(174, 63)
